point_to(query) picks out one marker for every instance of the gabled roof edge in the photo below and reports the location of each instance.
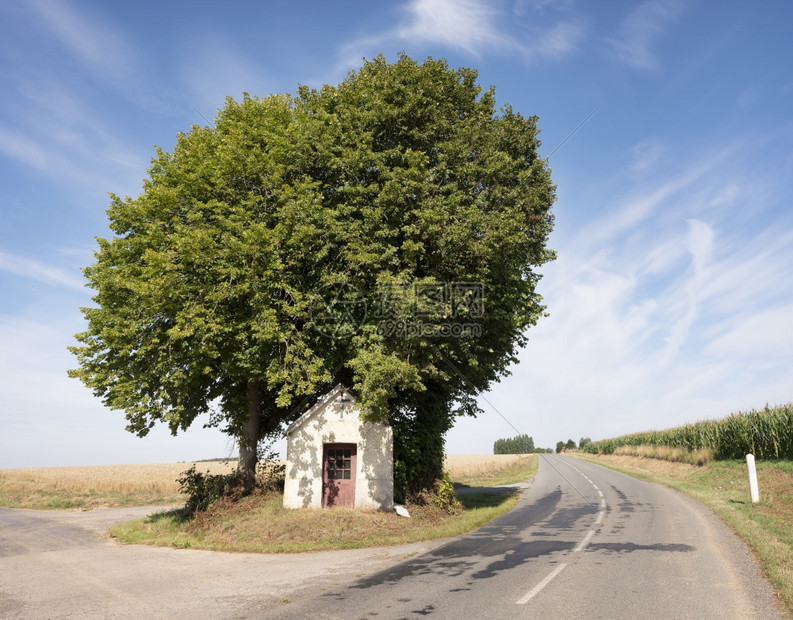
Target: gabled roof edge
(322, 402)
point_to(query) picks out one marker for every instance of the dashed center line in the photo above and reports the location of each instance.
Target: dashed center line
(578, 548)
(536, 590)
(600, 517)
(582, 545)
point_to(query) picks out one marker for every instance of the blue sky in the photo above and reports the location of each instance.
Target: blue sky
(672, 296)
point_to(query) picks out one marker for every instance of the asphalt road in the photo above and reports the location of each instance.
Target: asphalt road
(61, 564)
(583, 542)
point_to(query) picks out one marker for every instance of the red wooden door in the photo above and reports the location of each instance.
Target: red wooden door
(338, 474)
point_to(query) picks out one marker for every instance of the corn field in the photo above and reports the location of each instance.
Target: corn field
(768, 434)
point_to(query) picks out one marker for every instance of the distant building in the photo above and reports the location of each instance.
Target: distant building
(333, 458)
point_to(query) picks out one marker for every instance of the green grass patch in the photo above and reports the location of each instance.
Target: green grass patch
(723, 486)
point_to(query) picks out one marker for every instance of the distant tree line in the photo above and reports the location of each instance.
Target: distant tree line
(522, 444)
(561, 446)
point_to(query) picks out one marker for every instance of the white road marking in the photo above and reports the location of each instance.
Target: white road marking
(536, 589)
(582, 545)
(579, 547)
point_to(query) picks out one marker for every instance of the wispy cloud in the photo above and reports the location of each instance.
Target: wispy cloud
(93, 160)
(464, 24)
(21, 148)
(640, 30)
(522, 7)
(645, 201)
(646, 155)
(475, 27)
(212, 69)
(700, 246)
(59, 116)
(764, 335)
(42, 406)
(40, 271)
(97, 44)
(661, 308)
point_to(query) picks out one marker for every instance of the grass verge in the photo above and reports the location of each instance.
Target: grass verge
(261, 523)
(767, 527)
(668, 453)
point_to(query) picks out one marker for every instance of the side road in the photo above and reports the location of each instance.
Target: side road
(61, 564)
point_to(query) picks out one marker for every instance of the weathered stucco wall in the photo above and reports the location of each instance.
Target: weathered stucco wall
(336, 419)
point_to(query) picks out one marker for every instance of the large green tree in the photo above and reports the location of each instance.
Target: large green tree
(385, 232)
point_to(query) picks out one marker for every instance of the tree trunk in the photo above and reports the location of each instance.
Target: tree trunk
(249, 440)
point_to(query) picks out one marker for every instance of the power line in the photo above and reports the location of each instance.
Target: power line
(482, 396)
(572, 133)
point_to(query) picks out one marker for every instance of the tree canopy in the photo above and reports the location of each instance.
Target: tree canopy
(385, 232)
(520, 444)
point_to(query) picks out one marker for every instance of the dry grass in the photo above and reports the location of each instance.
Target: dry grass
(674, 454)
(106, 486)
(490, 470)
(654, 466)
(467, 465)
(260, 524)
(97, 486)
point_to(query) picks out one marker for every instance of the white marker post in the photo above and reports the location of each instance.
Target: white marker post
(753, 490)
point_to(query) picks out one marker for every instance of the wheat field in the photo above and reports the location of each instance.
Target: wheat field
(102, 486)
(123, 479)
(97, 486)
(467, 465)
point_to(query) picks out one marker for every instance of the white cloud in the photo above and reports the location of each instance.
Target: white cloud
(97, 44)
(640, 30)
(700, 245)
(764, 334)
(60, 117)
(646, 200)
(464, 24)
(754, 271)
(40, 271)
(472, 26)
(25, 150)
(64, 138)
(663, 310)
(49, 419)
(646, 155)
